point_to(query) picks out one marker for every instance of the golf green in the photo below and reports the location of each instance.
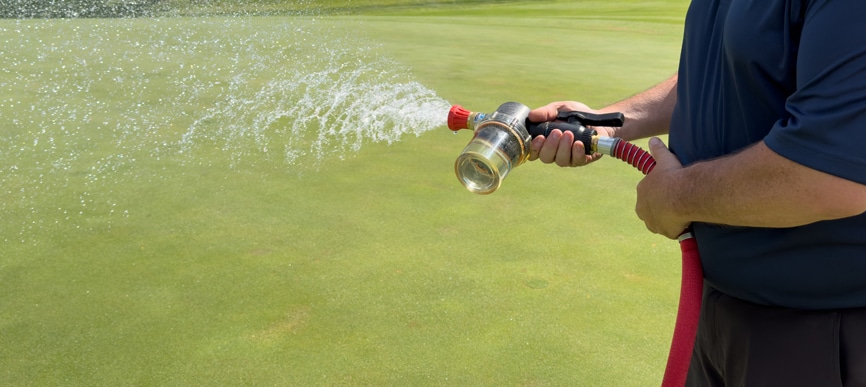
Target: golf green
(154, 232)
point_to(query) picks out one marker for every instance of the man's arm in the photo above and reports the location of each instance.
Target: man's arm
(755, 187)
(646, 114)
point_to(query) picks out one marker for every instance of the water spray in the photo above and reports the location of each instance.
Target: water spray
(501, 143)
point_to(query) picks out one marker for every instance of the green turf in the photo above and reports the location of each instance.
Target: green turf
(126, 262)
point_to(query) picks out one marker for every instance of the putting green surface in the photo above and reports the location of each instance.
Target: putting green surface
(130, 257)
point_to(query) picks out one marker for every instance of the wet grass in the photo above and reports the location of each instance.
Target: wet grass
(374, 269)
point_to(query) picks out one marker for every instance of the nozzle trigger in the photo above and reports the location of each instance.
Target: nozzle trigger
(591, 119)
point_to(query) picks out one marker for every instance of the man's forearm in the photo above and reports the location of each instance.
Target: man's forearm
(757, 187)
(647, 113)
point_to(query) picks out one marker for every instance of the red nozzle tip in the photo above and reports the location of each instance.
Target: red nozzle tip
(458, 117)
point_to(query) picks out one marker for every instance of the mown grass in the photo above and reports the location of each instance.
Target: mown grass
(670, 11)
(377, 269)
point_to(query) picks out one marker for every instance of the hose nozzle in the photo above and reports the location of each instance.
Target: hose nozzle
(501, 140)
(500, 143)
(458, 117)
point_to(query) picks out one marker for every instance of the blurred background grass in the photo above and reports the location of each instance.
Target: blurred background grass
(374, 268)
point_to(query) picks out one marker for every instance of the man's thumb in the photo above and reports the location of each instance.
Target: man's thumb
(663, 156)
(657, 148)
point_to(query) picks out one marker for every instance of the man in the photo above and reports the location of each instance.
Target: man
(767, 125)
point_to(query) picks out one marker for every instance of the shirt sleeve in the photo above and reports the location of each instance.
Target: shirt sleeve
(826, 128)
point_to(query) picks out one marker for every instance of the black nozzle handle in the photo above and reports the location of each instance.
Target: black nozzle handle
(577, 122)
(616, 119)
(581, 133)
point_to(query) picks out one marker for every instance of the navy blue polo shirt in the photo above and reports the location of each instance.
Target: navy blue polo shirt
(793, 74)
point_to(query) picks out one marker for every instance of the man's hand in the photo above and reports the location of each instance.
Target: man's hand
(656, 201)
(559, 147)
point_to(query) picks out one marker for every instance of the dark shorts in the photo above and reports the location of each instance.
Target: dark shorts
(744, 344)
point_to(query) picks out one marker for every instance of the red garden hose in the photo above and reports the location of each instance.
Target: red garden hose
(691, 286)
(688, 314)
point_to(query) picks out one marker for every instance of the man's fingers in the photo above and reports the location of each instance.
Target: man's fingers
(579, 157)
(547, 154)
(535, 147)
(563, 149)
(560, 148)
